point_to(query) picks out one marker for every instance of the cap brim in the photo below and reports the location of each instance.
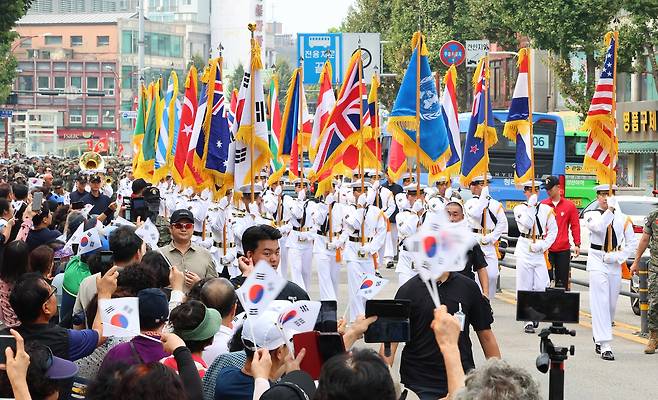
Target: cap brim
(61, 369)
(303, 380)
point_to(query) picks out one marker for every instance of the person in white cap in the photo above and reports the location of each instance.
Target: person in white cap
(125, 183)
(300, 238)
(328, 224)
(385, 200)
(612, 242)
(537, 232)
(248, 213)
(486, 217)
(364, 232)
(407, 222)
(221, 224)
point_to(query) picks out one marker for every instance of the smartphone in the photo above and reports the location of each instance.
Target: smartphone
(37, 199)
(6, 341)
(320, 347)
(330, 344)
(106, 257)
(392, 325)
(77, 205)
(552, 305)
(328, 317)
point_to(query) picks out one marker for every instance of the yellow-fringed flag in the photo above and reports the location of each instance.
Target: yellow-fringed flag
(451, 118)
(140, 128)
(188, 114)
(602, 146)
(168, 133)
(423, 136)
(481, 130)
(326, 103)
(147, 153)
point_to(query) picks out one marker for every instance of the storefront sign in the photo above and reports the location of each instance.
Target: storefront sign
(637, 121)
(86, 134)
(640, 121)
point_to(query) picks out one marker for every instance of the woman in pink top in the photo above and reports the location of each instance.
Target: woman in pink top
(196, 325)
(14, 264)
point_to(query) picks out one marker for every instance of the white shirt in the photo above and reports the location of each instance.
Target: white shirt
(219, 344)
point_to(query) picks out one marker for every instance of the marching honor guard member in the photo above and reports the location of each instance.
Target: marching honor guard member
(537, 232)
(384, 200)
(221, 225)
(328, 224)
(364, 232)
(300, 238)
(487, 220)
(407, 221)
(612, 242)
(248, 213)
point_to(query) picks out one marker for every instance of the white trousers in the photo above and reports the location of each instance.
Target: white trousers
(603, 293)
(531, 270)
(355, 272)
(299, 264)
(403, 267)
(283, 257)
(492, 268)
(328, 269)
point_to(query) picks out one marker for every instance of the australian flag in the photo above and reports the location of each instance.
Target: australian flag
(219, 134)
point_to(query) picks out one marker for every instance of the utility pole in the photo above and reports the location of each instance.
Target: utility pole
(140, 44)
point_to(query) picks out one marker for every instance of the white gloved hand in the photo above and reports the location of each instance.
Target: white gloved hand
(371, 196)
(331, 246)
(362, 200)
(401, 201)
(612, 202)
(486, 239)
(536, 247)
(253, 209)
(223, 202)
(367, 249)
(376, 184)
(207, 244)
(301, 195)
(448, 194)
(278, 190)
(285, 229)
(418, 206)
(485, 192)
(610, 258)
(532, 201)
(330, 199)
(228, 259)
(621, 257)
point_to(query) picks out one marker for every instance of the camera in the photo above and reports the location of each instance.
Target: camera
(147, 206)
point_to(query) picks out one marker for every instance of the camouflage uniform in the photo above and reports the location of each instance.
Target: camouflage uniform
(163, 229)
(651, 228)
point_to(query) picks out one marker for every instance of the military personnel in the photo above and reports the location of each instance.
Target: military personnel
(281, 218)
(361, 246)
(487, 220)
(537, 232)
(411, 209)
(385, 200)
(247, 213)
(650, 239)
(221, 219)
(328, 224)
(300, 238)
(608, 249)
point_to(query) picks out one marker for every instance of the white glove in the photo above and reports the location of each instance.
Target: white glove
(448, 194)
(367, 249)
(532, 201)
(485, 192)
(330, 199)
(285, 229)
(362, 200)
(371, 196)
(536, 247)
(612, 202)
(486, 239)
(401, 201)
(207, 244)
(228, 259)
(610, 258)
(621, 257)
(301, 195)
(253, 209)
(418, 206)
(278, 190)
(376, 184)
(331, 246)
(223, 202)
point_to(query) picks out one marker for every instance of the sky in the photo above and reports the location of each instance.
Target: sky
(300, 16)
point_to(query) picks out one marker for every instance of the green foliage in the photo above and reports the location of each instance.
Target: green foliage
(639, 38)
(198, 61)
(233, 79)
(12, 11)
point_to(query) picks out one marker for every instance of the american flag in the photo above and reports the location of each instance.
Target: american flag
(344, 120)
(601, 149)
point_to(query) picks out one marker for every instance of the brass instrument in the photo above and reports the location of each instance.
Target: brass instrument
(91, 161)
(109, 180)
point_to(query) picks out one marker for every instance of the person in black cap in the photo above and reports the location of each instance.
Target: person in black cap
(194, 260)
(80, 189)
(96, 198)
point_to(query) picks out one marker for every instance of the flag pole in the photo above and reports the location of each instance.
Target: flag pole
(359, 68)
(252, 28)
(375, 124)
(419, 46)
(485, 91)
(300, 122)
(532, 140)
(613, 113)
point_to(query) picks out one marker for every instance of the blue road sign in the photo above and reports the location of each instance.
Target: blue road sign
(315, 48)
(6, 113)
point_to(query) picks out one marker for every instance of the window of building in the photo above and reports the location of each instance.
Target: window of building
(76, 83)
(75, 116)
(92, 83)
(60, 83)
(155, 44)
(25, 82)
(92, 117)
(108, 85)
(102, 41)
(76, 41)
(127, 76)
(53, 40)
(43, 82)
(26, 42)
(108, 117)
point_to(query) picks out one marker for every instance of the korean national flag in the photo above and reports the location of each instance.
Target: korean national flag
(90, 241)
(261, 287)
(120, 316)
(371, 285)
(149, 233)
(300, 316)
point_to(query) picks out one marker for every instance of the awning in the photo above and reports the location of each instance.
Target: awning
(638, 147)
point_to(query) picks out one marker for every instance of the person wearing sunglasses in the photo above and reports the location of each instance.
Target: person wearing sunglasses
(194, 260)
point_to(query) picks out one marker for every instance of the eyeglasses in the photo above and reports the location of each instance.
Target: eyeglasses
(179, 225)
(54, 290)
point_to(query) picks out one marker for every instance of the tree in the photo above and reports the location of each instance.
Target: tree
(198, 61)
(639, 39)
(233, 79)
(12, 11)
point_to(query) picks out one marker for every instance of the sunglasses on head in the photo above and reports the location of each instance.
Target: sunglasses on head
(183, 225)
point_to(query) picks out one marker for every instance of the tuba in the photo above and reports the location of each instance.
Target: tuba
(91, 161)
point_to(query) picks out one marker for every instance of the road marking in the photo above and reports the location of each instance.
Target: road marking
(510, 298)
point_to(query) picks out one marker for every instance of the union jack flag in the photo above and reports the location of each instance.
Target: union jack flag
(345, 119)
(601, 149)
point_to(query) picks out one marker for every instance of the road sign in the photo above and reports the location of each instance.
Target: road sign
(316, 48)
(452, 52)
(6, 113)
(370, 52)
(129, 114)
(475, 50)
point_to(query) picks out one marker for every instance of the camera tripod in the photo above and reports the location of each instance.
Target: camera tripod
(554, 357)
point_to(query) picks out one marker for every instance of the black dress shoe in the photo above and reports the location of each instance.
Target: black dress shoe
(378, 275)
(529, 328)
(597, 348)
(608, 356)
(390, 265)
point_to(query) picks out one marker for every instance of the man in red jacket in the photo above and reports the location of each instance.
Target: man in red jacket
(566, 216)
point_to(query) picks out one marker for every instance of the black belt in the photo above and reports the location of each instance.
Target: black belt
(198, 233)
(357, 239)
(599, 247)
(485, 231)
(221, 245)
(530, 236)
(299, 229)
(327, 233)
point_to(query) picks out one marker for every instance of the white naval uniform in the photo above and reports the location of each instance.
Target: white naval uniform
(125, 187)
(605, 268)
(242, 220)
(531, 267)
(407, 223)
(221, 220)
(478, 211)
(387, 205)
(300, 241)
(357, 266)
(324, 256)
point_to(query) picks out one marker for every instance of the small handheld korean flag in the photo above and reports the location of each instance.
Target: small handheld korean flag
(300, 316)
(120, 221)
(261, 287)
(90, 241)
(370, 286)
(120, 316)
(35, 182)
(86, 209)
(238, 320)
(149, 233)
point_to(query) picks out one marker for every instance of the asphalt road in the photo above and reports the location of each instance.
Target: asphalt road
(587, 376)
